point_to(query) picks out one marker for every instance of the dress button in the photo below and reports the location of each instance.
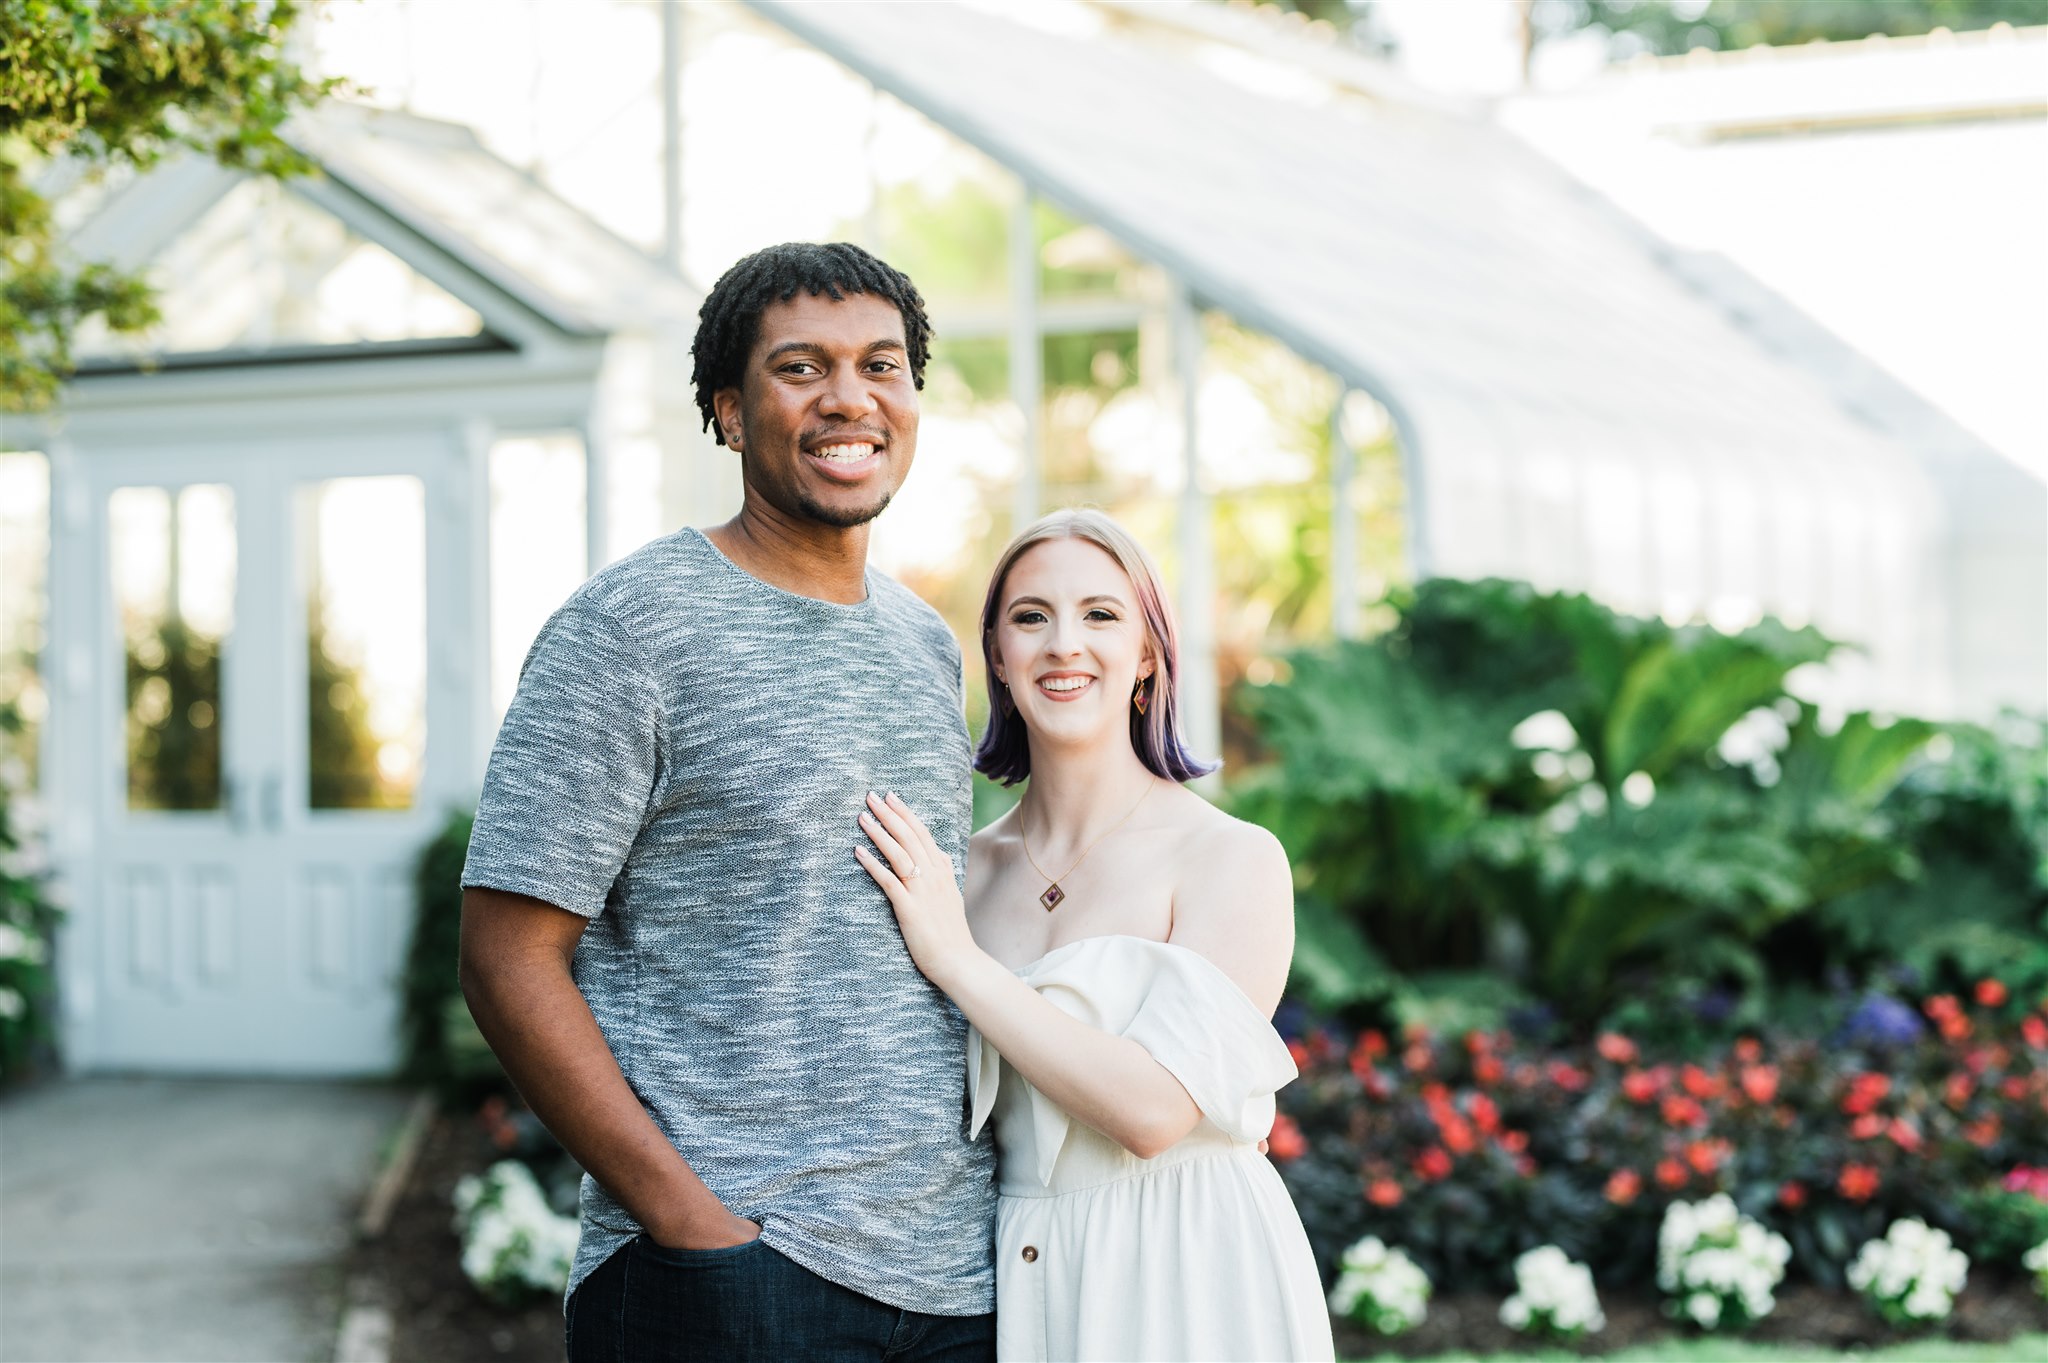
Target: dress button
(1030, 1254)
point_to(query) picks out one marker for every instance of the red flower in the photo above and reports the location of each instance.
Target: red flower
(1299, 1053)
(1760, 1083)
(1905, 1135)
(1670, 1174)
(1982, 1133)
(1991, 993)
(1791, 1195)
(1700, 1084)
(2014, 1088)
(1682, 1111)
(1320, 1045)
(1514, 1142)
(1285, 1141)
(1868, 1127)
(1478, 1043)
(1639, 1086)
(1485, 1115)
(1616, 1048)
(1706, 1156)
(2034, 1031)
(1486, 1069)
(1956, 1092)
(1433, 1164)
(1526, 1075)
(1373, 1043)
(1457, 1134)
(1383, 1192)
(1568, 1077)
(1417, 1057)
(1865, 1091)
(1954, 1027)
(1377, 1085)
(1623, 1186)
(1941, 1006)
(1749, 1050)
(1858, 1182)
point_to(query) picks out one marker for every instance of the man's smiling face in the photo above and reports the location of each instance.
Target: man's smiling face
(825, 417)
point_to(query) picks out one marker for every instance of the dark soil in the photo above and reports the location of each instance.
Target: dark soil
(440, 1318)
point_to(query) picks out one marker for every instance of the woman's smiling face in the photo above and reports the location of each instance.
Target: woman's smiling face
(1070, 642)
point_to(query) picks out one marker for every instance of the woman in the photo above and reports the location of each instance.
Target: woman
(1121, 948)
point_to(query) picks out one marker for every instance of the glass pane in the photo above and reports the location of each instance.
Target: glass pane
(173, 559)
(363, 546)
(24, 569)
(538, 537)
(265, 268)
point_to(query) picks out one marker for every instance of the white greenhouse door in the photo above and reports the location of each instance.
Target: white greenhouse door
(264, 685)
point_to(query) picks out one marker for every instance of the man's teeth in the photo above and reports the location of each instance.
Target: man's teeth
(843, 454)
(1065, 683)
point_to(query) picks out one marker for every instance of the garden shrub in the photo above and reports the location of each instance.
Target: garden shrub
(29, 916)
(1469, 1151)
(441, 1044)
(2001, 1224)
(1606, 812)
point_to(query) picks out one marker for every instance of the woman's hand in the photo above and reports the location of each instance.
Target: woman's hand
(918, 878)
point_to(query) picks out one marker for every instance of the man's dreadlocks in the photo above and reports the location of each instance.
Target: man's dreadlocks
(730, 320)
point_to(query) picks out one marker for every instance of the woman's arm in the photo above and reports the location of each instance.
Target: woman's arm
(1107, 1082)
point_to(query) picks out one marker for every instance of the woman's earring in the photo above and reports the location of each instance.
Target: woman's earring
(1009, 705)
(1142, 696)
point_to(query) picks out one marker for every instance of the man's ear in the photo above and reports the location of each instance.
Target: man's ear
(726, 407)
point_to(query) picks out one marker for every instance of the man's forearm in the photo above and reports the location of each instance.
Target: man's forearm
(537, 1022)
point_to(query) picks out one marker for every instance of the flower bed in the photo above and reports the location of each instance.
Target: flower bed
(1467, 1152)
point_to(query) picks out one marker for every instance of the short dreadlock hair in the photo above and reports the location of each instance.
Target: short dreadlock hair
(730, 320)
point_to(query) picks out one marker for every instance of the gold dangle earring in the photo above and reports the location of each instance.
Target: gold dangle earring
(1141, 697)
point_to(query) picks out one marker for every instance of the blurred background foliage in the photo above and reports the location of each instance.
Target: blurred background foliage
(1512, 798)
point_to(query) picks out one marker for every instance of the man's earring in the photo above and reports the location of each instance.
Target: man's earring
(1141, 696)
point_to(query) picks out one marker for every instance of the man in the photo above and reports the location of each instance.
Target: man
(665, 935)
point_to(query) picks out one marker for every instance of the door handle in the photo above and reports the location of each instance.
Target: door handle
(236, 799)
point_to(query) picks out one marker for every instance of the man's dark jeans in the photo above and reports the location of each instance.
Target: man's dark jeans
(647, 1304)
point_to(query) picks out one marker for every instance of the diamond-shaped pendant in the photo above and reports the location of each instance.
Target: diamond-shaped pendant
(1052, 897)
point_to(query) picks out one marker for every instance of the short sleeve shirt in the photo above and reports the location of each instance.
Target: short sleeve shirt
(683, 764)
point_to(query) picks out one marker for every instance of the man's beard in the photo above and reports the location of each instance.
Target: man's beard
(843, 518)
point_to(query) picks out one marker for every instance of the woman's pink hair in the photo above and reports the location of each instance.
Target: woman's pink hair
(1005, 752)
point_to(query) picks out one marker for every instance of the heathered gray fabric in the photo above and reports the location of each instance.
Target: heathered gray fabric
(683, 764)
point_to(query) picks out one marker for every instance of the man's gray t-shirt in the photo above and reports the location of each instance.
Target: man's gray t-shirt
(683, 765)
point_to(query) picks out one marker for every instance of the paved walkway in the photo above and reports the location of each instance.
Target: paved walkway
(160, 1221)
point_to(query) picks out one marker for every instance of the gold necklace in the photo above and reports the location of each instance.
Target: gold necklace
(1053, 893)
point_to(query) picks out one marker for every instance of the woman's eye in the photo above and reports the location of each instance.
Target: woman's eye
(1027, 618)
(1100, 613)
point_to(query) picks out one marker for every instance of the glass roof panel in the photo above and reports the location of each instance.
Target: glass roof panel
(265, 269)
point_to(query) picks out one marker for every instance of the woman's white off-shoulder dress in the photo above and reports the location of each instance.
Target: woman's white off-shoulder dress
(1195, 1254)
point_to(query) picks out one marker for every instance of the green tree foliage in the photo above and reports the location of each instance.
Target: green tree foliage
(1669, 27)
(341, 751)
(173, 675)
(1536, 786)
(121, 82)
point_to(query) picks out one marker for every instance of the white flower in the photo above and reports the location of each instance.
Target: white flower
(1514, 1313)
(1705, 1308)
(1380, 1287)
(16, 945)
(11, 1005)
